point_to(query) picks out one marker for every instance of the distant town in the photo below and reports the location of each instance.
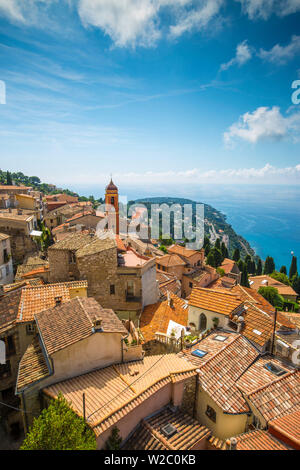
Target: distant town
(112, 339)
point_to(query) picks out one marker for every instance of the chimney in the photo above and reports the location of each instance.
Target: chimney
(97, 324)
(58, 301)
(231, 443)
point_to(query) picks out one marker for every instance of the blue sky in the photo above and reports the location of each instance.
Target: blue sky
(156, 92)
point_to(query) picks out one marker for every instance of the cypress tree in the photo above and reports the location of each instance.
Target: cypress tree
(269, 265)
(293, 268)
(236, 255)
(8, 179)
(259, 267)
(244, 278)
(283, 270)
(211, 259)
(224, 250)
(218, 244)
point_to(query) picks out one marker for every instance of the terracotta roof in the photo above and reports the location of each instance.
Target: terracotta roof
(34, 272)
(111, 186)
(113, 392)
(81, 214)
(215, 301)
(170, 260)
(33, 366)
(156, 317)
(72, 321)
(30, 264)
(283, 289)
(294, 318)
(9, 305)
(5, 187)
(221, 367)
(163, 276)
(4, 236)
(278, 398)
(149, 435)
(287, 428)
(38, 298)
(181, 250)
(258, 376)
(173, 286)
(258, 325)
(259, 440)
(246, 293)
(26, 215)
(84, 244)
(227, 265)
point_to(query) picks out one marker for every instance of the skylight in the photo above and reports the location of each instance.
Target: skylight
(276, 370)
(199, 353)
(257, 332)
(220, 338)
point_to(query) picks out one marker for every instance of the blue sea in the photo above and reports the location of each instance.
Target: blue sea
(267, 216)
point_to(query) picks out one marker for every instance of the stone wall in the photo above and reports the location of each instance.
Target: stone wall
(189, 396)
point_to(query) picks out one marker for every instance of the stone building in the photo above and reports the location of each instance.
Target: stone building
(20, 225)
(6, 264)
(118, 279)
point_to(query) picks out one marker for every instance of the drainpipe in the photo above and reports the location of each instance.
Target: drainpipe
(274, 331)
(196, 394)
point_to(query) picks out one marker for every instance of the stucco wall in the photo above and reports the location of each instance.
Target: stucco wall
(194, 317)
(226, 425)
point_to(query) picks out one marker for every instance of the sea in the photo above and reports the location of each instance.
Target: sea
(268, 216)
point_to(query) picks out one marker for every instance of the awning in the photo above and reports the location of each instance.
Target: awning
(36, 233)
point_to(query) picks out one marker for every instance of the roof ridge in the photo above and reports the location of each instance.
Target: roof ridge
(220, 351)
(205, 289)
(82, 306)
(285, 376)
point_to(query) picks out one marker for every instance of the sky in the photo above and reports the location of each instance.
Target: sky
(154, 92)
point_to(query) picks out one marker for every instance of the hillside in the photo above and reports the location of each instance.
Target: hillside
(214, 223)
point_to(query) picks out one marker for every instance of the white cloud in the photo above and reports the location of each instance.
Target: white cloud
(281, 54)
(137, 22)
(264, 124)
(21, 11)
(196, 18)
(263, 9)
(187, 178)
(243, 54)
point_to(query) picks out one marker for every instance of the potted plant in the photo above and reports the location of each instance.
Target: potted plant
(215, 322)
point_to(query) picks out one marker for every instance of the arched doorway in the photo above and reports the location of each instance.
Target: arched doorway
(202, 322)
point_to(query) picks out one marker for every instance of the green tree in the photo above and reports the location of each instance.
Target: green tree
(114, 441)
(283, 270)
(259, 267)
(272, 296)
(269, 266)
(163, 248)
(224, 251)
(244, 277)
(59, 428)
(240, 264)
(293, 267)
(236, 255)
(211, 259)
(295, 283)
(206, 245)
(8, 179)
(281, 277)
(218, 244)
(217, 256)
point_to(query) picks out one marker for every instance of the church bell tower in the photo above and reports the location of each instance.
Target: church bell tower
(112, 198)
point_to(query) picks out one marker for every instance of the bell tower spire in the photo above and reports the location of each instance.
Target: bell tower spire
(112, 198)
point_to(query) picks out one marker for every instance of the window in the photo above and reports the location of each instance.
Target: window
(210, 412)
(202, 322)
(130, 289)
(112, 289)
(276, 370)
(191, 285)
(8, 394)
(5, 370)
(72, 257)
(199, 353)
(10, 345)
(7, 270)
(220, 338)
(30, 329)
(112, 201)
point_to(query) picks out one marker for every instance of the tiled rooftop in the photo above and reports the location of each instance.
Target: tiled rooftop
(258, 325)
(288, 427)
(149, 435)
(113, 392)
(72, 321)
(214, 300)
(170, 260)
(84, 244)
(9, 305)
(33, 366)
(221, 367)
(278, 398)
(257, 281)
(259, 440)
(38, 298)
(156, 317)
(181, 250)
(227, 265)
